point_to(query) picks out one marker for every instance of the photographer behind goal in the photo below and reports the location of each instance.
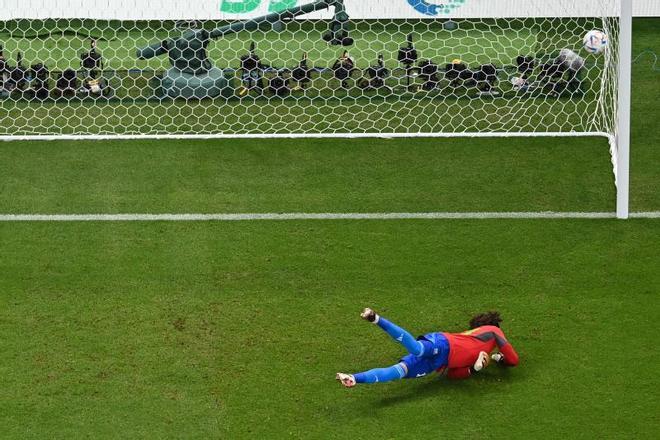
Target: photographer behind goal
(562, 74)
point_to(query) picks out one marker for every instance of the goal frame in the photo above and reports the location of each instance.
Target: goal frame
(624, 86)
(619, 141)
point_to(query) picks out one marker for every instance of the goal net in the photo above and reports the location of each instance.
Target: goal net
(264, 68)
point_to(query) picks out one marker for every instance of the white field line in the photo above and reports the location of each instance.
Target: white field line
(316, 216)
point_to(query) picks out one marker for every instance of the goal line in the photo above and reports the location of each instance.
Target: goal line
(317, 216)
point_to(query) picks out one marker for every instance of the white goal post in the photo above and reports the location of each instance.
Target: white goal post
(317, 68)
(621, 140)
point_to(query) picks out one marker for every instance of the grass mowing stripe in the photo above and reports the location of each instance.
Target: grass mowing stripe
(308, 175)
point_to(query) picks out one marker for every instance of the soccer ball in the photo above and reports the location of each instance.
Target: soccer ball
(595, 41)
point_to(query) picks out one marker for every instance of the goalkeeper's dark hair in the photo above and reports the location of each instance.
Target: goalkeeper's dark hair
(488, 318)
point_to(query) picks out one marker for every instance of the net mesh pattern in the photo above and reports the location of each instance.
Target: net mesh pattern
(302, 76)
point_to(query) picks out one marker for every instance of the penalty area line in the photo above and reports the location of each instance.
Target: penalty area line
(316, 216)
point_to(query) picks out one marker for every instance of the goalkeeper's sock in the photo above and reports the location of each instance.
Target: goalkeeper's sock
(395, 372)
(400, 335)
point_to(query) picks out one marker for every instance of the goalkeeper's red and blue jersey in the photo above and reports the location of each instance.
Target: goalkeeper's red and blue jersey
(464, 349)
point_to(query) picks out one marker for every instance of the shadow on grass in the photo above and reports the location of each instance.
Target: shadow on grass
(480, 385)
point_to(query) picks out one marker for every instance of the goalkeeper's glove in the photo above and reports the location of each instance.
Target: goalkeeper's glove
(497, 357)
(482, 361)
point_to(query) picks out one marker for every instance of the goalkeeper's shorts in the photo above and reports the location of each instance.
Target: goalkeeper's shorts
(435, 357)
(419, 366)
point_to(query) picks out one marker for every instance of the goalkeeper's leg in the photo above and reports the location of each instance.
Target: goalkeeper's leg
(414, 346)
(376, 375)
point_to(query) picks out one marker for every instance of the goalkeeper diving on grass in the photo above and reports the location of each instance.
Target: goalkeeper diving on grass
(459, 355)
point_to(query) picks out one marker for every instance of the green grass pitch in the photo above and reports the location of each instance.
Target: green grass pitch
(235, 329)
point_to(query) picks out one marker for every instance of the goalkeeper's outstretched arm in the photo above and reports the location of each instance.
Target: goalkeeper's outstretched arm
(508, 355)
